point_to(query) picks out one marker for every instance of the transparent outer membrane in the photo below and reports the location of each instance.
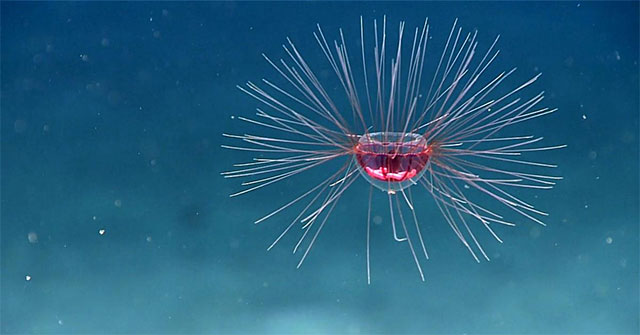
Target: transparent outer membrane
(392, 161)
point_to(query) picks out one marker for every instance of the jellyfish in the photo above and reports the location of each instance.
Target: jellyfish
(401, 121)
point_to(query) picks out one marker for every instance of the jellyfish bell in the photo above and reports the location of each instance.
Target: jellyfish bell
(392, 161)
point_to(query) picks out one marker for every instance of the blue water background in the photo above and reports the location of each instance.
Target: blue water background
(112, 115)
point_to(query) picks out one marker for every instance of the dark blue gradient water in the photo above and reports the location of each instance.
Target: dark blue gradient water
(115, 218)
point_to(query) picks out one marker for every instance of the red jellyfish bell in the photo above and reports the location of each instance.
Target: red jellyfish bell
(392, 161)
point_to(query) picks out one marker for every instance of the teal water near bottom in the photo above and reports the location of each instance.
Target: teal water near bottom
(115, 218)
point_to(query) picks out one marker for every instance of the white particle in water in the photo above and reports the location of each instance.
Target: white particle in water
(32, 237)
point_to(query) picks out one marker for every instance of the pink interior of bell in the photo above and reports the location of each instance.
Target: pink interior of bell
(392, 161)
